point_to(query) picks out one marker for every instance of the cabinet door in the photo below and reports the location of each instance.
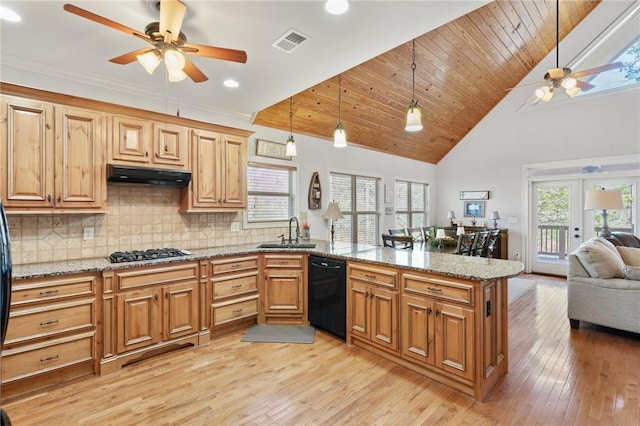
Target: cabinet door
(169, 145)
(384, 318)
(131, 140)
(235, 172)
(359, 310)
(454, 339)
(180, 310)
(26, 153)
(418, 332)
(137, 319)
(80, 155)
(206, 185)
(284, 292)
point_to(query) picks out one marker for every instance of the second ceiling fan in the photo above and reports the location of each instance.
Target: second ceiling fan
(167, 43)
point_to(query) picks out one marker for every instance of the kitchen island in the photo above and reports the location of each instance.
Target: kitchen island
(441, 315)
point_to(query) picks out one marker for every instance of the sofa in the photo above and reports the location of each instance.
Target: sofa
(603, 283)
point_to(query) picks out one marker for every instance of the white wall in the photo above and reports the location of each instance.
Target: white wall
(491, 156)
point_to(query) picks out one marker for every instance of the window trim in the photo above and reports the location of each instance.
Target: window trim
(277, 223)
(426, 212)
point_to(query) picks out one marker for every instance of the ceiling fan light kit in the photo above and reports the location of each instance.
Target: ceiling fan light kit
(414, 115)
(149, 60)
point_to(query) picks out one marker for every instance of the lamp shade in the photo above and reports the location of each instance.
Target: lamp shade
(603, 199)
(451, 215)
(440, 233)
(414, 118)
(460, 230)
(290, 148)
(339, 137)
(333, 212)
(495, 215)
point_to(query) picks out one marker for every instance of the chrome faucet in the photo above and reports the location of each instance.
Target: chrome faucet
(297, 229)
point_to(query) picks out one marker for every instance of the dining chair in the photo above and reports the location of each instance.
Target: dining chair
(492, 244)
(482, 241)
(397, 241)
(465, 244)
(398, 231)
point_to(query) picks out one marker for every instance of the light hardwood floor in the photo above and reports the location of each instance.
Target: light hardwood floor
(557, 376)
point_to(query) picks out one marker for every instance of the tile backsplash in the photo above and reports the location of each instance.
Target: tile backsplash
(139, 217)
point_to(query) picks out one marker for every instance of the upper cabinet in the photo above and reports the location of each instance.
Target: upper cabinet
(148, 143)
(219, 167)
(52, 157)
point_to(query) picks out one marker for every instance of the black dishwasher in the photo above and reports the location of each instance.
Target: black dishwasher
(327, 294)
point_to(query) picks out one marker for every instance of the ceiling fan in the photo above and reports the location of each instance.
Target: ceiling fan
(564, 78)
(167, 41)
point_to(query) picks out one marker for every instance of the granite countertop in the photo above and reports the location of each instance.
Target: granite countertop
(467, 267)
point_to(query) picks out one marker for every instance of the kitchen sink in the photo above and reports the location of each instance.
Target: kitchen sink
(287, 246)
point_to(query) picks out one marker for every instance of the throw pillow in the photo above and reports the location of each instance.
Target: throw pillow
(632, 272)
(599, 260)
(630, 255)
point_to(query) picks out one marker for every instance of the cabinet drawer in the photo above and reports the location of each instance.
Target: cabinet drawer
(236, 284)
(234, 264)
(449, 289)
(225, 312)
(40, 358)
(379, 276)
(283, 261)
(49, 320)
(38, 290)
(156, 275)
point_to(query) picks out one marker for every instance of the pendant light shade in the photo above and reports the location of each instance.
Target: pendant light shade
(339, 136)
(414, 115)
(291, 144)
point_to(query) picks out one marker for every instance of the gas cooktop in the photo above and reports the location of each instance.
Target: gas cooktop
(132, 256)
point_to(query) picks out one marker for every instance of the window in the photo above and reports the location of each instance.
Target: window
(411, 203)
(271, 193)
(358, 198)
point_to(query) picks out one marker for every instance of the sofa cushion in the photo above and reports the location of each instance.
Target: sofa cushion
(630, 255)
(600, 259)
(624, 239)
(631, 272)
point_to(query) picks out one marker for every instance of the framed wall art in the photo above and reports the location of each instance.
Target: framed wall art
(271, 149)
(474, 195)
(474, 208)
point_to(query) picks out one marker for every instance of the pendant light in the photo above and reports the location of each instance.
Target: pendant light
(291, 144)
(339, 136)
(414, 118)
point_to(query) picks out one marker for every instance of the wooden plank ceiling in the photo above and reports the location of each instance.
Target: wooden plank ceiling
(462, 71)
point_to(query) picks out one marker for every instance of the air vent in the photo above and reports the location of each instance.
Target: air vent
(290, 40)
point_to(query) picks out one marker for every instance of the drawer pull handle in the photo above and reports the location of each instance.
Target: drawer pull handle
(371, 277)
(237, 265)
(434, 289)
(48, 292)
(283, 262)
(236, 311)
(50, 322)
(236, 286)
(49, 358)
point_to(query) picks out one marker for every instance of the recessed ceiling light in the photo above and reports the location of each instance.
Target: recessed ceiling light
(231, 83)
(336, 7)
(7, 14)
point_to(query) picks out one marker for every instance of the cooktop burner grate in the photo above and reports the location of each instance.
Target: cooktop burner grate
(135, 255)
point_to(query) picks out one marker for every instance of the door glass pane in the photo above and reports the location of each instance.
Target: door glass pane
(553, 222)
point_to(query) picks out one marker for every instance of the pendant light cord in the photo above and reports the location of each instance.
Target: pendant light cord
(339, 99)
(557, 33)
(413, 71)
(291, 116)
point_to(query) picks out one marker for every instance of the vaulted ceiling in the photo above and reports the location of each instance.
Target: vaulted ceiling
(462, 71)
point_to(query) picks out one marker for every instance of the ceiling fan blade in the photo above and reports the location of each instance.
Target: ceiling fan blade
(216, 52)
(584, 86)
(171, 16)
(104, 21)
(537, 83)
(194, 72)
(127, 58)
(597, 70)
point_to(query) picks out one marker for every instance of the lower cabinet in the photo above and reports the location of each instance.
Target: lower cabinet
(373, 305)
(51, 335)
(148, 310)
(283, 289)
(233, 292)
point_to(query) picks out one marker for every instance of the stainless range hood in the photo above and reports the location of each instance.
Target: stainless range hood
(128, 174)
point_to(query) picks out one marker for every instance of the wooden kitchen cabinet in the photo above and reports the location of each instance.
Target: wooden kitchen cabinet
(143, 142)
(372, 302)
(234, 292)
(52, 157)
(147, 309)
(51, 334)
(219, 167)
(284, 290)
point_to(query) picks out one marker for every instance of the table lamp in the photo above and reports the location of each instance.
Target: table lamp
(451, 216)
(439, 236)
(495, 216)
(333, 212)
(603, 199)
